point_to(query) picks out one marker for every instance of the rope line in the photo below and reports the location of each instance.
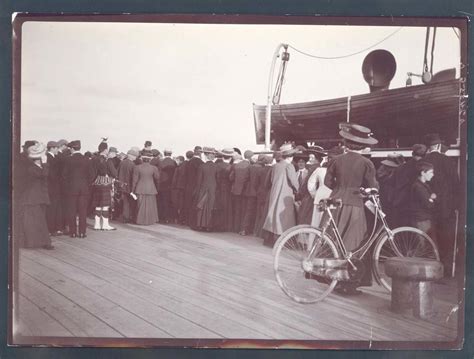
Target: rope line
(455, 32)
(348, 55)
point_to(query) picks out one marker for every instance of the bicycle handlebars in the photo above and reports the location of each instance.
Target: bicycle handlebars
(368, 191)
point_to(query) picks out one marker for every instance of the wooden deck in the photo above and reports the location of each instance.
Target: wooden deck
(171, 282)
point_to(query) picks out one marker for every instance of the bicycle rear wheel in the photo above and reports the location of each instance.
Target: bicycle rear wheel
(291, 268)
(407, 242)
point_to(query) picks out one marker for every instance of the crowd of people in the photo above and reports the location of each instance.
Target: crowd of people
(56, 187)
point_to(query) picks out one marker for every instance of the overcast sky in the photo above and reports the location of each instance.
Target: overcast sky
(181, 85)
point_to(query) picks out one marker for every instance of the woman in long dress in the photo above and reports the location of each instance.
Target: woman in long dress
(318, 191)
(144, 185)
(281, 213)
(206, 187)
(316, 186)
(223, 219)
(35, 199)
(345, 175)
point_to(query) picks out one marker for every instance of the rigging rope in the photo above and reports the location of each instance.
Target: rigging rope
(455, 32)
(348, 55)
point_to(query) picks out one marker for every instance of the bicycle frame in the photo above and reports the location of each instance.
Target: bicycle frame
(361, 251)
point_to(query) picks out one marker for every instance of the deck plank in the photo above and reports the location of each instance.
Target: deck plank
(170, 282)
(123, 321)
(364, 329)
(36, 321)
(70, 314)
(123, 275)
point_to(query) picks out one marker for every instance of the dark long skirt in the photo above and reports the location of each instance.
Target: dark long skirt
(223, 218)
(147, 211)
(35, 226)
(352, 225)
(262, 210)
(305, 211)
(177, 200)
(204, 211)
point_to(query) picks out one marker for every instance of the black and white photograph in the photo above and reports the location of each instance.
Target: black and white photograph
(227, 181)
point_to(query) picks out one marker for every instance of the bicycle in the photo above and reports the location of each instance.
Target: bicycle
(308, 262)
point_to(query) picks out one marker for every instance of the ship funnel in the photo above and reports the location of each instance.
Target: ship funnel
(378, 68)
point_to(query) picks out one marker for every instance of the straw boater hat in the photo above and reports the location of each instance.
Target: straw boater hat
(227, 152)
(36, 151)
(287, 149)
(357, 133)
(317, 149)
(209, 150)
(393, 160)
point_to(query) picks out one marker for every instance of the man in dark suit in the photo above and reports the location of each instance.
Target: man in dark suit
(178, 185)
(190, 191)
(165, 207)
(250, 195)
(239, 176)
(445, 184)
(77, 176)
(53, 211)
(63, 153)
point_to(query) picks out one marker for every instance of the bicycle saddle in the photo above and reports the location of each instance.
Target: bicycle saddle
(330, 203)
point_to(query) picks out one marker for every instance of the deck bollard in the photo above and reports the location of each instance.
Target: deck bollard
(412, 284)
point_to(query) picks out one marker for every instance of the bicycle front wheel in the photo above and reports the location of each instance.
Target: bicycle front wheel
(292, 269)
(407, 242)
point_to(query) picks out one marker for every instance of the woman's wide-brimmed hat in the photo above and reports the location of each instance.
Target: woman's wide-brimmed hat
(287, 149)
(36, 151)
(357, 133)
(317, 149)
